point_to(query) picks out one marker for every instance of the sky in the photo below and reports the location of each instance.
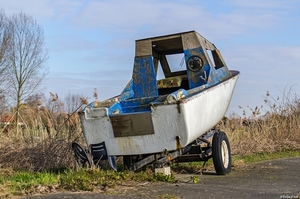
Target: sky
(91, 43)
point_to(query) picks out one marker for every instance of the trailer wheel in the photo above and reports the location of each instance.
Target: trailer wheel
(127, 161)
(221, 153)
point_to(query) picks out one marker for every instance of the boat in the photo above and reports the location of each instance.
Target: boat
(162, 119)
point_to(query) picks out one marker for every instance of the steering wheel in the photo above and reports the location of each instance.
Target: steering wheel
(195, 63)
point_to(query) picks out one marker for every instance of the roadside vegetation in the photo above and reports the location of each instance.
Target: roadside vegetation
(39, 158)
(272, 127)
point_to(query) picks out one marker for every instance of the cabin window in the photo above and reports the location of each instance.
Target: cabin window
(160, 73)
(173, 65)
(176, 62)
(214, 59)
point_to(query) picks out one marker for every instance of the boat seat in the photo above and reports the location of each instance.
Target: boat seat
(172, 84)
(99, 153)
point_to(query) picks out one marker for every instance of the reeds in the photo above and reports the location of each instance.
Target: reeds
(273, 127)
(48, 131)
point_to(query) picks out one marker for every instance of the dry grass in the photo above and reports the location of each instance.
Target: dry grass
(276, 130)
(46, 136)
(35, 155)
(44, 141)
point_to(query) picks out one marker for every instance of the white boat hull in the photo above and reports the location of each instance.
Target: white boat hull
(187, 120)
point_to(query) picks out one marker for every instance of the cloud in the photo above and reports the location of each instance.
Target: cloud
(263, 68)
(108, 83)
(43, 10)
(71, 42)
(136, 17)
(266, 5)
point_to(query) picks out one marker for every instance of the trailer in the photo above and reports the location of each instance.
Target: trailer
(169, 119)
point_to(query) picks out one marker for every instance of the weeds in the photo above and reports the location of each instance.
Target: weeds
(195, 179)
(276, 130)
(93, 179)
(23, 183)
(47, 132)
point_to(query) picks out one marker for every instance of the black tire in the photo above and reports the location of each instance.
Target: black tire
(221, 153)
(127, 161)
(81, 155)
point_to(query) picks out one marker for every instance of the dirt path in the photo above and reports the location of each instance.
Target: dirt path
(271, 179)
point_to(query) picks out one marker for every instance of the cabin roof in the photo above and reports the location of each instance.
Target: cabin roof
(171, 44)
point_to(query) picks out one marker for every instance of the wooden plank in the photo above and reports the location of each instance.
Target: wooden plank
(132, 124)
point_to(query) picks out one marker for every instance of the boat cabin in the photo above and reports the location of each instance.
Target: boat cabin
(202, 67)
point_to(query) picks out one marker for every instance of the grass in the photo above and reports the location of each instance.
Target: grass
(264, 156)
(92, 179)
(20, 183)
(273, 127)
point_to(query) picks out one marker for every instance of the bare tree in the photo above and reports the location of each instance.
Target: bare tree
(72, 103)
(4, 39)
(3, 104)
(26, 58)
(35, 100)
